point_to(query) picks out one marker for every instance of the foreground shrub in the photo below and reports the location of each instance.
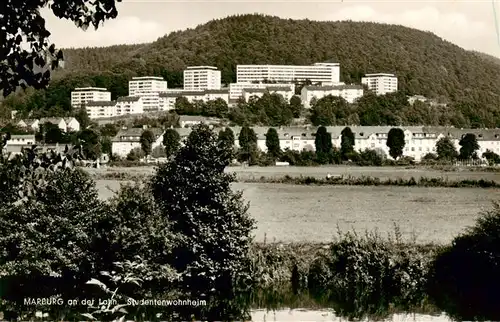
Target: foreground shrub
(465, 277)
(366, 275)
(212, 223)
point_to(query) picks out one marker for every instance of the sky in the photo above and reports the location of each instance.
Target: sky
(469, 24)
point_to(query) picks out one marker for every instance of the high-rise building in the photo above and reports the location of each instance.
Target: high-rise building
(199, 78)
(381, 83)
(84, 95)
(317, 73)
(148, 88)
(147, 84)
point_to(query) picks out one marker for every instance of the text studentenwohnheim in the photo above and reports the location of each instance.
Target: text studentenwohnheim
(153, 302)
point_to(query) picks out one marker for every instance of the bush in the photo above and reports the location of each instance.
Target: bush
(135, 154)
(367, 275)
(465, 277)
(212, 223)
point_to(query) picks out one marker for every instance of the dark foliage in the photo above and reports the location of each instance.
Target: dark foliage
(395, 142)
(465, 276)
(468, 146)
(273, 142)
(194, 193)
(23, 22)
(171, 142)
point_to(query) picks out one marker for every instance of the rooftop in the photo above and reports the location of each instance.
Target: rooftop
(133, 134)
(201, 67)
(101, 103)
(90, 89)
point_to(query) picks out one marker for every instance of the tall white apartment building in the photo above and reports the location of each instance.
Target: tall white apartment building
(381, 83)
(84, 95)
(198, 78)
(148, 89)
(317, 73)
(147, 84)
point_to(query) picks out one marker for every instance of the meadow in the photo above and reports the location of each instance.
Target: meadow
(383, 173)
(300, 213)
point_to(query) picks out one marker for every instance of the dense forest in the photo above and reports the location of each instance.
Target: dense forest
(424, 63)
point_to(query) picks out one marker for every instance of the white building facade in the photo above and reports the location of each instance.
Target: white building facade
(100, 109)
(167, 100)
(348, 92)
(317, 73)
(198, 78)
(286, 91)
(381, 84)
(147, 84)
(84, 95)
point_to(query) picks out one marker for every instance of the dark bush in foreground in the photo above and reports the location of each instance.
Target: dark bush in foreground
(465, 277)
(367, 275)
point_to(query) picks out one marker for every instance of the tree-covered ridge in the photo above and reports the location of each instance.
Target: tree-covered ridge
(425, 63)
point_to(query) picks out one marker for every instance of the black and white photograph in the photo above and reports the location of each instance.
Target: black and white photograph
(182, 160)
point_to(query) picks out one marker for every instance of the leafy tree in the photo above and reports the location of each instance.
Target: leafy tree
(273, 142)
(52, 133)
(217, 108)
(468, 146)
(492, 157)
(31, 67)
(135, 154)
(82, 117)
(395, 142)
(446, 149)
(296, 106)
(464, 291)
(347, 142)
(184, 107)
(109, 130)
(246, 138)
(55, 208)
(171, 142)
(106, 145)
(194, 193)
(147, 139)
(159, 152)
(227, 135)
(90, 142)
(323, 140)
(323, 144)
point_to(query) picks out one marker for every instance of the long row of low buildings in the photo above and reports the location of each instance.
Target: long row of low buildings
(419, 140)
(151, 93)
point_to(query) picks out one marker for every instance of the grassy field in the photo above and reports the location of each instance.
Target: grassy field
(294, 213)
(321, 172)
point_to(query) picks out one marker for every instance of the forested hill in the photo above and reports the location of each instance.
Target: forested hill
(425, 63)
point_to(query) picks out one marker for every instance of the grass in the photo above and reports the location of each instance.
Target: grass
(373, 181)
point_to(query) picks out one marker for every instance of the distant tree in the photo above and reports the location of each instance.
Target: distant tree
(90, 142)
(347, 143)
(106, 145)
(217, 108)
(183, 106)
(82, 117)
(53, 134)
(323, 144)
(31, 67)
(171, 142)
(247, 140)
(323, 140)
(135, 154)
(212, 222)
(159, 152)
(247, 137)
(296, 106)
(491, 156)
(273, 142)
(109, 130)
(446, 149)
(227, 135)
(395, 142)
(147, 139)
(469, 146)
